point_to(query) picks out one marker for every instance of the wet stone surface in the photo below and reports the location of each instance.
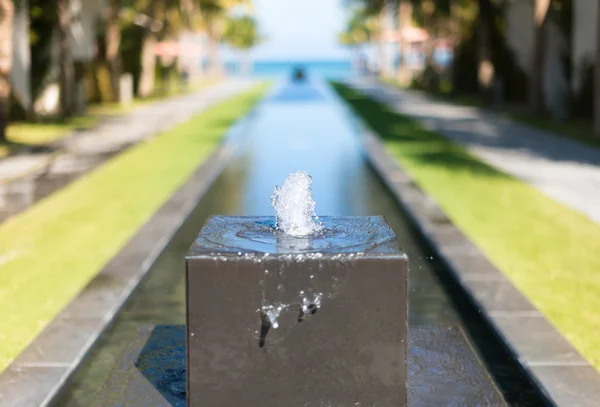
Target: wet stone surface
(322, 317)
(442, 371)
(251, 236)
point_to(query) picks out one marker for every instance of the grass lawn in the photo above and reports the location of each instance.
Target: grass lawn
(550, 252)
(38, 134)
(26, 134)
(51, 251)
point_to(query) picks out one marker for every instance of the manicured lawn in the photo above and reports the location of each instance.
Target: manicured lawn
(25, 134)
(550, 252)
(39, 134)
(50, 252)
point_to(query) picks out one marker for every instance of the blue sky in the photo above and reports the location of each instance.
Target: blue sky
(300, 29)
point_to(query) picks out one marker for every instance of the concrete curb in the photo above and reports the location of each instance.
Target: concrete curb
(39, 373)
(560, 373)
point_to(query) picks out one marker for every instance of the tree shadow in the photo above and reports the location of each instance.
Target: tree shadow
(14, 148)
(417, 143)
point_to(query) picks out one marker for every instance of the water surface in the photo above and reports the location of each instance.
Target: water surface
(297, 127)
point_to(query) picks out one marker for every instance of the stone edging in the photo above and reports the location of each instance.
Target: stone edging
(561, 374)
(38, 374)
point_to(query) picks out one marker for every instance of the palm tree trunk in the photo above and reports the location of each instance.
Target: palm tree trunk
(188, 8)
(597, 78)
(6, 32)
(404, 17)
(148, 65)
(67, 69)
(148, 57)
(113, 43)
(536, 75)
(485, 69)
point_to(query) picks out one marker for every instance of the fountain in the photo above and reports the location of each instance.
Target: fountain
(294, 310)
(315, 318)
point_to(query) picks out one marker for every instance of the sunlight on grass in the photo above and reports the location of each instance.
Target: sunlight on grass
(549, 251)
(37, 134)
(51, 251)
(42, 133)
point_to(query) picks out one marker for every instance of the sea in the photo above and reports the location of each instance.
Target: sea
(339, 69)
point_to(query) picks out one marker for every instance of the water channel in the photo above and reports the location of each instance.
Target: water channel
(296, 127)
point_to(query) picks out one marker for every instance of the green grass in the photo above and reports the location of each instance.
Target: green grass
(550, 252)
(25, 134)
(51, 251)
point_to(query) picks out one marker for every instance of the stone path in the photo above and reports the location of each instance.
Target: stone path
(564, 170)
(25, 179)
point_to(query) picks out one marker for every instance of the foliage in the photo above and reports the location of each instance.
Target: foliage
(361, 28)
(242, 32)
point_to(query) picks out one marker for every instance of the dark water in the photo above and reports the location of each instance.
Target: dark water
(287, 135)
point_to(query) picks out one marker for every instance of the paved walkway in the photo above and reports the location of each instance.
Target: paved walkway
(564, 170)
(24, 179)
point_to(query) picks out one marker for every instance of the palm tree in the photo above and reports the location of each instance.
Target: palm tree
(242, 34)
(113, 43)
(67, 69)
(358, 30)
(214, 13)
(405, 9)
(597, 78)
(536, 75)
(6, 30)
(148, 58)
(485, 66)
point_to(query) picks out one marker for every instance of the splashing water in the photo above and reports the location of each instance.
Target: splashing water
(295, 207)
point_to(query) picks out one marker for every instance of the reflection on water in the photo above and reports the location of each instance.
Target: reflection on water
(285, 136)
